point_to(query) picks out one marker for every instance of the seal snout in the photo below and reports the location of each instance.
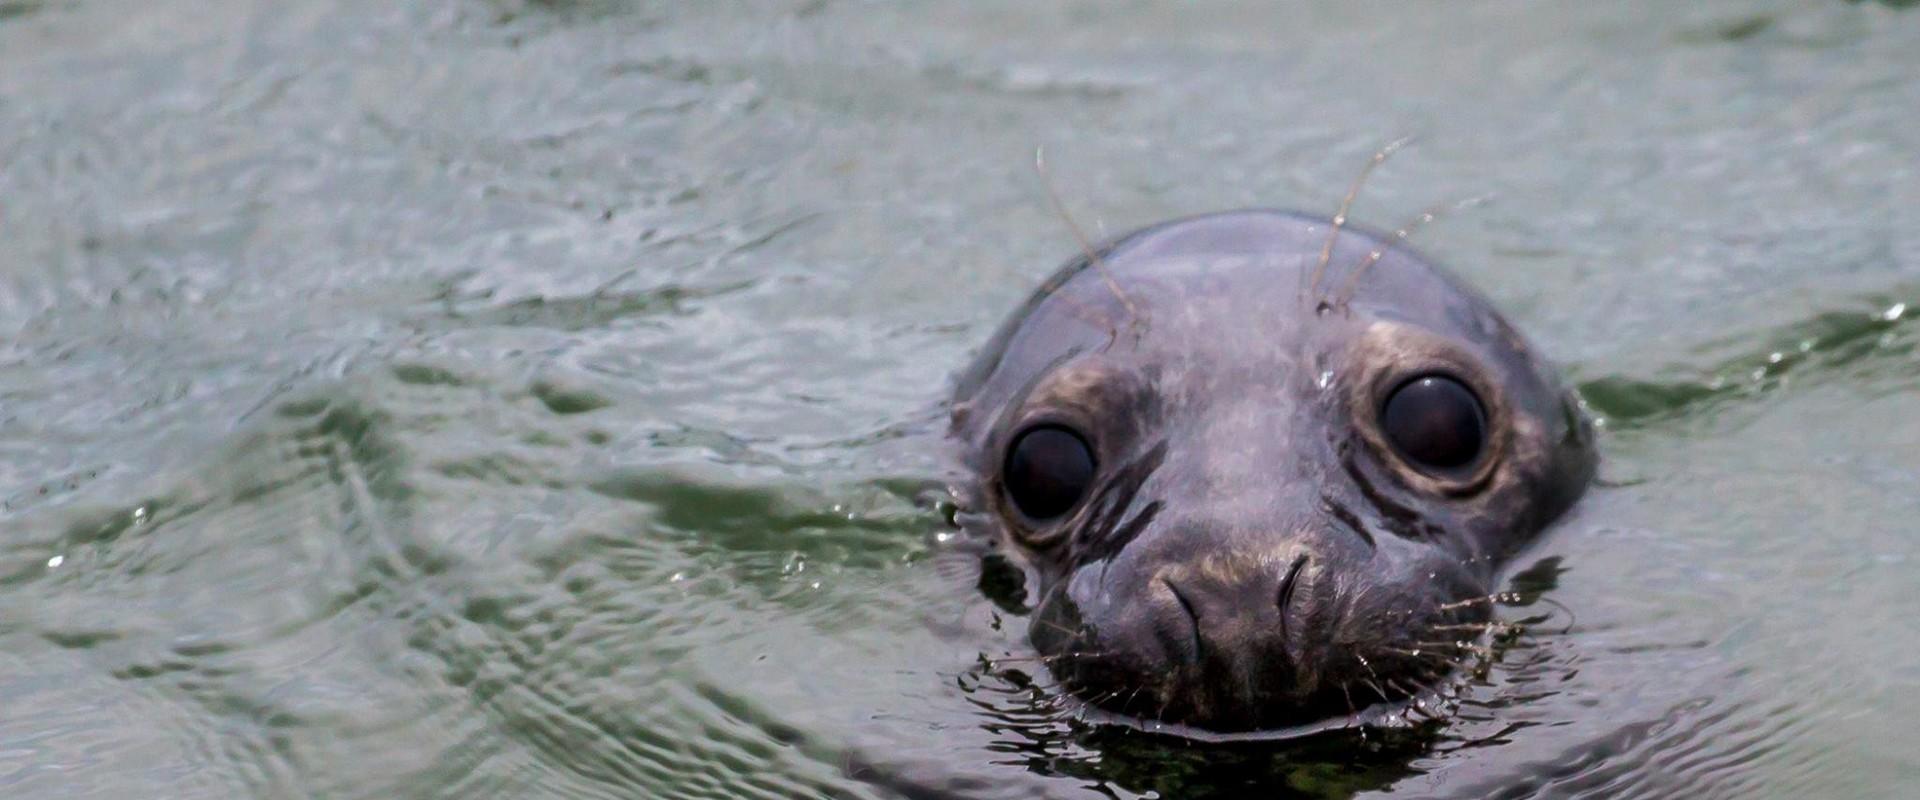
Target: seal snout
(1224, 639)
(1243, 639)
(1230, 621)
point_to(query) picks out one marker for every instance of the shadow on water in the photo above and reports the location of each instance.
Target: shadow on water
(1329, 765)
(1876, 341)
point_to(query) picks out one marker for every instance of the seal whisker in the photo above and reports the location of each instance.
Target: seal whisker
(1044, 658)
(1058, 627)
(1377, 689)
(1135, 695)
(1455, 644)
(1080, 710)
(1400, 235)
(1428, 659)
(1469, 602)
(1483, 627)
(1080, 235)
(1461, 647)
(1160, 713)
(1374, 682)
(1353, 712)
(1079, 310)
(1065, 711)
(1414, 702)
(1346, 204)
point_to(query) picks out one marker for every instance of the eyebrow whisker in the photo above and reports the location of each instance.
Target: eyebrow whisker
(1080, 235)
(1346, 204)
(1400, 235)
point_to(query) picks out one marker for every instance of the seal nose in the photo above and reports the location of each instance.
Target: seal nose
(1240, 625)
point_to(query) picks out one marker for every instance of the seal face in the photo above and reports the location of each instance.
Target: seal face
(1251, 464)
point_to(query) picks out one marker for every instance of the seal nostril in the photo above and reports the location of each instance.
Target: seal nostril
(1193, 619)
(1287, 586)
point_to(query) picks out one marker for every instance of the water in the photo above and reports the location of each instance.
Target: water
(481, 398)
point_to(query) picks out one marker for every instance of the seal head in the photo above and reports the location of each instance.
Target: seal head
(1248, 495)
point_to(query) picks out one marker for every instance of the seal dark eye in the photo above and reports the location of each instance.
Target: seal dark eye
(1047, 470)
(1435, 422)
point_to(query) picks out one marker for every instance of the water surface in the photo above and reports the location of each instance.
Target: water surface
(502, 398)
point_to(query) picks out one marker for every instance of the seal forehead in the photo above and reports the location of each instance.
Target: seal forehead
(1227, 293)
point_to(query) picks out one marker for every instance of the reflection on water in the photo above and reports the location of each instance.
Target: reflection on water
(475, 398)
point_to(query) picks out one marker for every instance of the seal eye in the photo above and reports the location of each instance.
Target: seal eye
(1048, 469)
(1435, 422)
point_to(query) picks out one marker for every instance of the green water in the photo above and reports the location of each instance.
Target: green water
(501, 398)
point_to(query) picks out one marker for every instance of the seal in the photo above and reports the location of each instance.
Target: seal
(1259, 469)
